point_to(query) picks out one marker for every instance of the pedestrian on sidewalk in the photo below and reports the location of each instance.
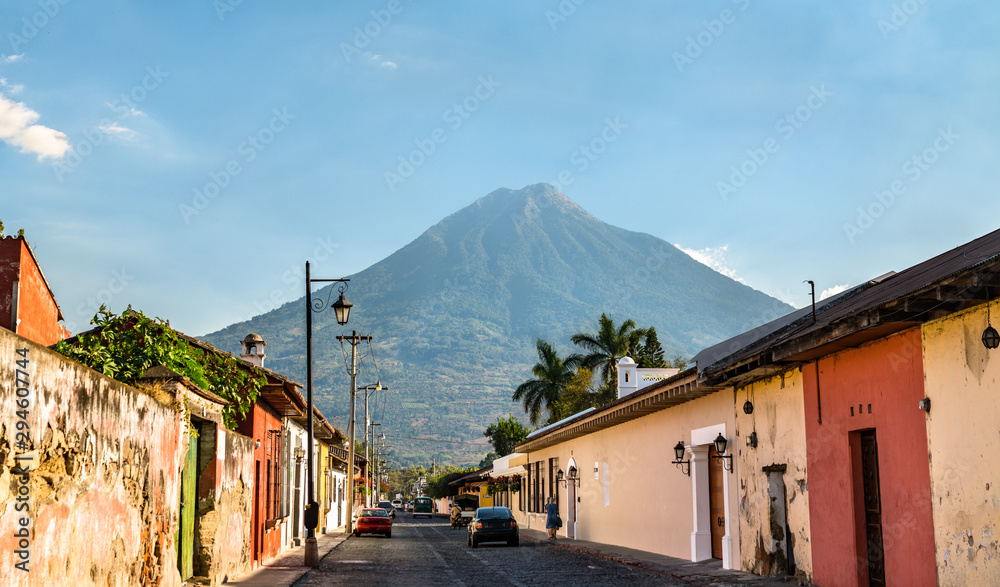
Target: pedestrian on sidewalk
(552, 521)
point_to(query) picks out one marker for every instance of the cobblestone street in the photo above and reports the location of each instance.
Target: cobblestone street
(430, 552)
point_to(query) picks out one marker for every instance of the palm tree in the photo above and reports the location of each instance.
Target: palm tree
(552, 376)
(607, 346)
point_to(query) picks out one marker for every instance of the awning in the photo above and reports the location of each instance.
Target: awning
(512, 464)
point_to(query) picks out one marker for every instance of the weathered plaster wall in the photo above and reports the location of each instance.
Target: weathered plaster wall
(103, 500)
(644, 488)
(963, 429)
(873, 387)
(224, 516)
(779, 419)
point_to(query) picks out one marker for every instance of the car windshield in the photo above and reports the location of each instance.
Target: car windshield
(493, 513)
(374, 514)
(384, 505)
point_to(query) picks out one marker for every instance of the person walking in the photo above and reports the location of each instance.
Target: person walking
(552, 520)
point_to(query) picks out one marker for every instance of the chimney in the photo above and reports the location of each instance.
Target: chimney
(253, 349)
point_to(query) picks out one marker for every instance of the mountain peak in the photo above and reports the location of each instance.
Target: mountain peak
(531, 200)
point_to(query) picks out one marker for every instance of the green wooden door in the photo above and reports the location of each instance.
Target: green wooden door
(185, 529)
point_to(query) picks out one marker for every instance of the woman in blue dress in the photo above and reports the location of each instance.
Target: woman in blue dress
(552, 521)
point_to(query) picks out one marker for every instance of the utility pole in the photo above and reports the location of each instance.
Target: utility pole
(354, 340)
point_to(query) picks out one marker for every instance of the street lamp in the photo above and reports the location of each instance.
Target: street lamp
(342, 309)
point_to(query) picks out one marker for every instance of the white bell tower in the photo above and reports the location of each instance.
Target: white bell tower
(253, 349)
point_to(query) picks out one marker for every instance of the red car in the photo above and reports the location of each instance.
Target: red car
(373, 521)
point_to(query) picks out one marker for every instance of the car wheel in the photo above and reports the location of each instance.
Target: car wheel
(388, 534)
(513, 542)
(475, 543)
(356, 533)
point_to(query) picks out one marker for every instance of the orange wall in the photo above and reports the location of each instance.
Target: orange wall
(37, 310)
(888, 375)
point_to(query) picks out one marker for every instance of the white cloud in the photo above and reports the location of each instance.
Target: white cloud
(379, 61)
(12, 58)
(11, 88)
(714, 258)
(832, 291)
(123, 112)
(117, 132)
(18, 128)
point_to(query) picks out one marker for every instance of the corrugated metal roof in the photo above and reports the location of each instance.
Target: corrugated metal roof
(875, 294)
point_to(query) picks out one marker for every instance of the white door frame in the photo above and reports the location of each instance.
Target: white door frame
(701, 535)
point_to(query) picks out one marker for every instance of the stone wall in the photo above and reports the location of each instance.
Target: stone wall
(99, 503)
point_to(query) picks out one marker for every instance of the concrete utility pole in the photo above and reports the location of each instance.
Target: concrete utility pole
(354, 340)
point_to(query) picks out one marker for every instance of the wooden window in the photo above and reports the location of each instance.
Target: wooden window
(553, 482)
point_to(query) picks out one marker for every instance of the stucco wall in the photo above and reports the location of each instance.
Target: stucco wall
(650, 505)
(874, 387)
(37, 311)
(963, 382)
(779, 419)
(104, 498)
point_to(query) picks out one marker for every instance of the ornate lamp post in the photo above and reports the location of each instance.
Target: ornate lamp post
(342, 309)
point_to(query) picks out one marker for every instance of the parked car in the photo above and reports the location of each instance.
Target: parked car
(387, 506)
(423, 506)
(373, 521)
(493, 524)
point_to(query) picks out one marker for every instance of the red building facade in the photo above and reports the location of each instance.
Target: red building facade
(27, 304)
(869, 477)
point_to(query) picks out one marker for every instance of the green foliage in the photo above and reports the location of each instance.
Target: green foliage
(552, 375)
(488, 459)
(438, 486)
(578, 396)
(678, 362)
(124, 347)
(650, 355)
(608, 345)
(505, 434)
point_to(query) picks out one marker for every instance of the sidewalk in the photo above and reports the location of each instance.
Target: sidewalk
(708, 572)
(287, 568)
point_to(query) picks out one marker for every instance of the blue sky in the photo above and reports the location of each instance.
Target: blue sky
(188, 157)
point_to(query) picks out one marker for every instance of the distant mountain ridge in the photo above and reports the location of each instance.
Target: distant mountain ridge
(455, 313)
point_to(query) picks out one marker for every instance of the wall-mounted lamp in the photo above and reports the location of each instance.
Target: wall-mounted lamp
(567, 479)
(679, 458)
(747, 407)
(924, 404)
(991, 339)
(256, 444)
(300, 453)
(720, 448)
(752, 439)
(597, 475)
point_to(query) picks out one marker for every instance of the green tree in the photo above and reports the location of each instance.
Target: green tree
(651, 353)
(678, 362)
(606, 346)
(552, 374)
(578, 396)
(123, 347)
(505, 434)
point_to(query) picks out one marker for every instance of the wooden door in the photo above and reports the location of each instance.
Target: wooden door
(873, 508)
(255, 517)
(716, 502)
(188, 505)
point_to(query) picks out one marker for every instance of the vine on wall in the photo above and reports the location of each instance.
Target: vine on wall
(124, 346)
